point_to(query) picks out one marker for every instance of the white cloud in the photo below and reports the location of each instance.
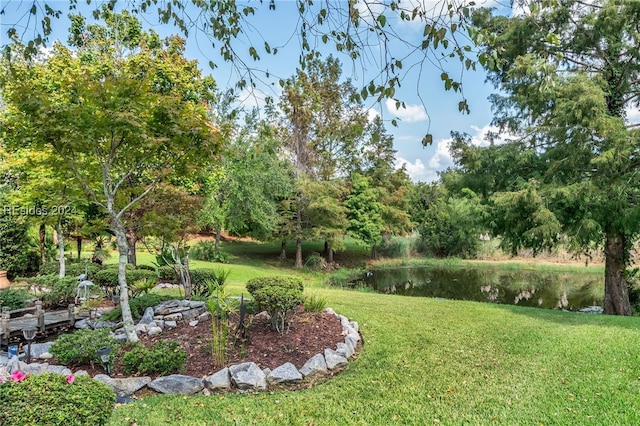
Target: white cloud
(410, 114)
(417, 171)
(632, 115)
(372, 114)
(441, 158)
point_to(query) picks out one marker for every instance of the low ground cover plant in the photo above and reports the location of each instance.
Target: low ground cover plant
(54, 399)
(162, 357)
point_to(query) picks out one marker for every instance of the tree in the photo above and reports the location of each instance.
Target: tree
(366, 33)
(364, 213)
(114, 110)
(568, 72)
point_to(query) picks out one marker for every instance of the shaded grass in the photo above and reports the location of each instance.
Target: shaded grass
(452, 362)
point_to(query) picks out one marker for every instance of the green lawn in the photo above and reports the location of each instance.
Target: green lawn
(428, 361)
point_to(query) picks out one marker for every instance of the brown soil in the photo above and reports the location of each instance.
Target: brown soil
(309, 334)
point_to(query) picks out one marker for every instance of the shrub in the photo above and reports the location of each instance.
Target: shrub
(18, 253)
(166, 273)
(107, 278)
(315, 262)
(14, 299)
(396, 247)
(255, 284)
(53, 399)
(60, 291)
(203, 279)
(206, 250)
(163, 357)
(314, 303)
(138, 306)
(80, 348)
(279, 296)
(71, 269)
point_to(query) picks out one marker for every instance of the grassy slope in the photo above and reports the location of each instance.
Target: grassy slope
(429, 361)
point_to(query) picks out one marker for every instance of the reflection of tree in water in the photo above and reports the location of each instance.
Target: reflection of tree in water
(524, 295)
(563, 302)
(492, 292)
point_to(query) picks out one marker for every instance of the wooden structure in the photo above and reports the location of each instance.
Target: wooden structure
(13, 322)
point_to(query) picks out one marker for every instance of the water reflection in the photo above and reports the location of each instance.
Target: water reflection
(550, 290)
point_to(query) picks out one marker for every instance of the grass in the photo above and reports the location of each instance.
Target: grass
(427, 361)
(430, 361)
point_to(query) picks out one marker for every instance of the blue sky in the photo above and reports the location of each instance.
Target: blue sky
(429, 108)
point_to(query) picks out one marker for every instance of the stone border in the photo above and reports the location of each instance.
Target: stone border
(245, 376)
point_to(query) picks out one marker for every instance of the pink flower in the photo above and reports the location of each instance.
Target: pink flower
(70, 378)
(18, 376)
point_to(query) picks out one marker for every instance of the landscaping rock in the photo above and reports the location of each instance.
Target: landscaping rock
(45, 356)
(170, 324)
(147, 318)
(592, 310)
(344, 350)
(35, 368)
(169, 307)
(141, 328)
(173, 317)
(196, 304)
(103, 324)
(314, 366)
(192, 314)
(262, 316)
(154, 331)
(82, 324)
(177, 384)
(14, 364)
(38, 349)
(80, 373)
(248, 376)
(124, 387)
(219, 380)
(204, 316)
(334, 360)
(59, 369)
(286, 373)
(193, 323)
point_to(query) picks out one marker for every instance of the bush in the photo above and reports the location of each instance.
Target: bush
(60, 291)
(18, 253)
(279, 296)
(163, 357)
(167, 273)
(71, 269)
(255, 284)
(50, 399)
(396, 247)
(203, 279)
(138, 306)
(14, 299)
(206, 250)
(107, 278)
(80, 348)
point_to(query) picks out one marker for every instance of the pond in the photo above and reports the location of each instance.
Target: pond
(551, 290)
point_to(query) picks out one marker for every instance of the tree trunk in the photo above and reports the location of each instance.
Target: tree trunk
(61, 260)
(374, 253)
(217, 244)
(43, 235)
(616, 294)
(123, 250)
(329, 252)
(79, 246)
(132, 239)
(283, 250)
(298, 263)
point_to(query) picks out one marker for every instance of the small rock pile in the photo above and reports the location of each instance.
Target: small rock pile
(245, 376)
